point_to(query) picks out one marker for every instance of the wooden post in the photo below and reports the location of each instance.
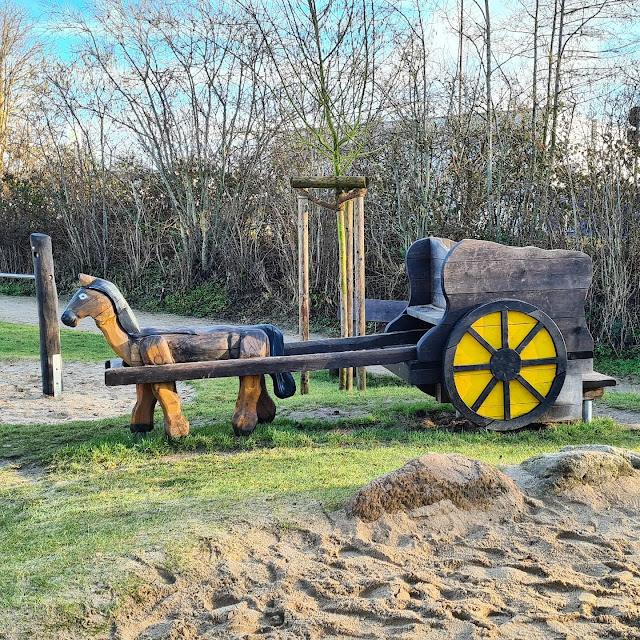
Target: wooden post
(359, 292)
(349, 240)
(346, 248)
(47, 297)
(303, 280)
(342, 259)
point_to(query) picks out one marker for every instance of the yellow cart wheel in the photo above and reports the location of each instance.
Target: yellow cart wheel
(504, 364)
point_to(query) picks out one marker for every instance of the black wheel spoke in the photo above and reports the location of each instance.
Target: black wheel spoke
(530, 388)
(504, 323)
(481, 340)
(506, 394)
(485, 393)
(471, 367)
(538, 361)
(530, 336)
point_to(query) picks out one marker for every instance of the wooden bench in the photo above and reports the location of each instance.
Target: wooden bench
(593, 386)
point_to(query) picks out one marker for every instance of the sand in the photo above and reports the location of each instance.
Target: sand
(85, 396)
(566, 566)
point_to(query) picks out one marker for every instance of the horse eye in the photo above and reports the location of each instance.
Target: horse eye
(83, 296)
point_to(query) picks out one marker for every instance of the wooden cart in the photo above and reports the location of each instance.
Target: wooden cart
(498, 331)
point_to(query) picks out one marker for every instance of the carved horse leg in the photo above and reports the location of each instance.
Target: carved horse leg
(155, 350)
(266, 406)
(142, 415)
(252, 344)
(175, 423)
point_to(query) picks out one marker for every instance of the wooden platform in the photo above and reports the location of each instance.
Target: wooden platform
(595, 380)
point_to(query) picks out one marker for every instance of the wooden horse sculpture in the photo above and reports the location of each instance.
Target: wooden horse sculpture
(102, 300)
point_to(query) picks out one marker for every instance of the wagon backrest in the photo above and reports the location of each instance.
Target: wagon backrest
(425, 260)
(556, 281)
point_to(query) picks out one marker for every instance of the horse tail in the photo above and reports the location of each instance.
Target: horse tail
(284, 385)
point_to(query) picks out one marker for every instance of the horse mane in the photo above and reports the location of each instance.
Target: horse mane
(124, 314)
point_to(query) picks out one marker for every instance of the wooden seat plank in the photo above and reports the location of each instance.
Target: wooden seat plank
(427, 313)
(596, 380)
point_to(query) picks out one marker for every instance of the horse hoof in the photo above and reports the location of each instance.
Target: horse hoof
(141, 428)
(244, 423)
(177, 428)
(242, 432)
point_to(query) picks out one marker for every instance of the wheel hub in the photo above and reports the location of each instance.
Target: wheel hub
(506, 364)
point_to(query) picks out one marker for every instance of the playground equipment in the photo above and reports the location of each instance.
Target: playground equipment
(47, 299)
(499, 332)
(102, 301)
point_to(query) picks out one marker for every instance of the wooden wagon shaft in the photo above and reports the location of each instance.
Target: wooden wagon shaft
(333, 345)
(355, 343)
(256, 366)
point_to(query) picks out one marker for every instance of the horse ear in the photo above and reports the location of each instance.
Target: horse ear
(85, 280)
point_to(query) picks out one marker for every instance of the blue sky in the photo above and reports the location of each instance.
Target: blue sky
(43, 12)
(40, 7)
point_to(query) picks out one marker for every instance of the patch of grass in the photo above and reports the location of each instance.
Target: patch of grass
(22, 341)
(70, 527)
(625, 401)
(609, 363)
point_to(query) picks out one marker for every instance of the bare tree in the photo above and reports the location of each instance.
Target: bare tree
(18, 80)
(325, 55)
(183, 85)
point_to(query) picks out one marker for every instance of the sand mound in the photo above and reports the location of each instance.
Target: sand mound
(576, 467)
(461, 482)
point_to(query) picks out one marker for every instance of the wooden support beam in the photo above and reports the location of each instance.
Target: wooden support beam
(256, 366)
(342, 260)
(359, 287)
(348, 211)
(342, 183)
(47, 298)
(303, 280)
